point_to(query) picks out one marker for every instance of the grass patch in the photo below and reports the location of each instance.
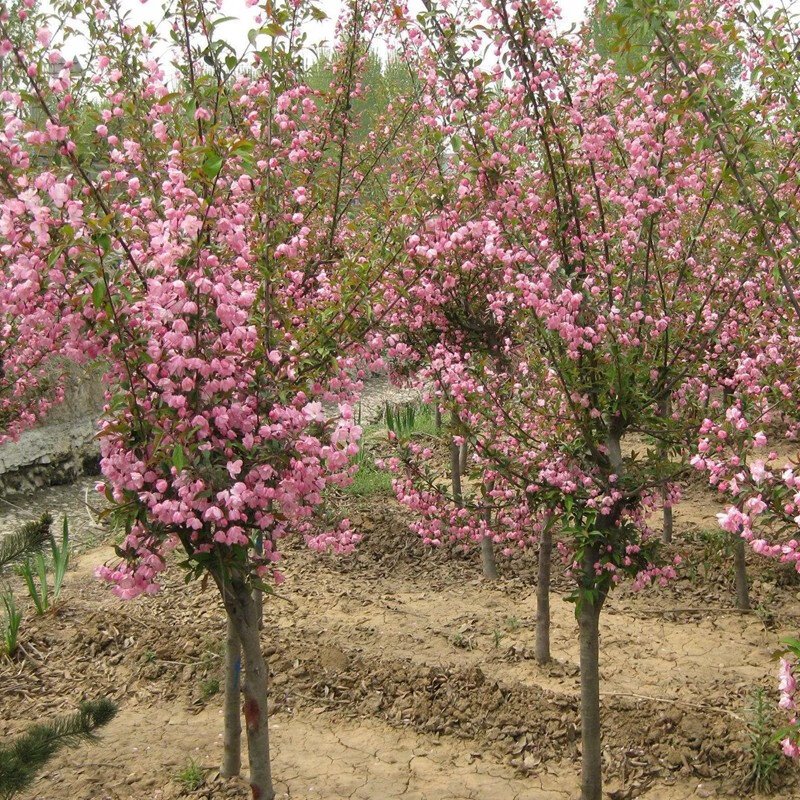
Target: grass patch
(369, 480)
(192, 776)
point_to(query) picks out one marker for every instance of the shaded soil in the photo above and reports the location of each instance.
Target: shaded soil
(399, 672)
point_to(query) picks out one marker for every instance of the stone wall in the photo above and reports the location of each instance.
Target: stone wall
(63, 448)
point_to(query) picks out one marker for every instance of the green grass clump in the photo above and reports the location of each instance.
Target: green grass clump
(369, 480)
(192, 776)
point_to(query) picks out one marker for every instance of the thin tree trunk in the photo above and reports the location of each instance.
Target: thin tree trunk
(591, 750)
(258, 595)
(242, 610)
(488, 560)
(232, 738)
(542, 647)
(727, 397)
(455, 467)
(665, 409)
(437, 416)
(740, 575)
(462, 461)
(666, 534)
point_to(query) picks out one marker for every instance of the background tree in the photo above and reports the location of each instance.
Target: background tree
(224, 261)
(587, 217)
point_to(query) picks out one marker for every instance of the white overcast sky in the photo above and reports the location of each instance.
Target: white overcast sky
(235, 32)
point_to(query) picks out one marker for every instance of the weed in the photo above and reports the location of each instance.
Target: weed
(766, 615)
(208, 688)
(60, 558)
(400, 418)
(717, 551)
(369, 480)
(192, 776)
(405, 419)
(40, 595)
(513, 624)
(149, 656)
(11, 623)
(764, 753)
(497, 637)
(37, 567)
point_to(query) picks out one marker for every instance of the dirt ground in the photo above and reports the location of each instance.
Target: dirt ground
(398, 672)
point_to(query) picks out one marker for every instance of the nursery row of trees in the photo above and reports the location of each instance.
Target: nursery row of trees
(582, 245)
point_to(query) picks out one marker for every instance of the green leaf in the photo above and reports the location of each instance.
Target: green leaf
(212, 165)
(178, 460)
(273, 29)
(99, 294)
(104, 241)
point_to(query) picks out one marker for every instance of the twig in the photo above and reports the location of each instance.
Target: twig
(9, 503)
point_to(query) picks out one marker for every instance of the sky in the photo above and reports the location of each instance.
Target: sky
(235, 31)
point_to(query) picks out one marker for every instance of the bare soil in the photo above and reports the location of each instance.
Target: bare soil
(399, 672)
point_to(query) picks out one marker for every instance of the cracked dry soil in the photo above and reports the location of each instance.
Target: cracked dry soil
(398, 673)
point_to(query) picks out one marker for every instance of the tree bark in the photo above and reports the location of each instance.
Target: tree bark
(258, 595)
(665, 409)
(542, 646)
(591, 750)
(232, 737)
(437, 416)
(666, 534)
(740, 575)
(488, 561)
(727, 397)
(243, 614)
(455, 467)
(462, 461)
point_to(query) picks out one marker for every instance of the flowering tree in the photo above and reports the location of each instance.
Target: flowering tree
(755, 132)
(572, 286)
(39, 326)
(222, 243)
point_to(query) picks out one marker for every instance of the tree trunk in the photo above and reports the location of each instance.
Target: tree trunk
(258, 595)
(542, 647)
(727, 397)
(455, 468)
(740, 575)
(243, 613)
(232, 738)
(591, 751)
(666, 534)
(665, 409)
(437, 416)
(488, 561)
(462, 461)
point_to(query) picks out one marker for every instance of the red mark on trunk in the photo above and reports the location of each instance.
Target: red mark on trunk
(256, 791)
(252, 712)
